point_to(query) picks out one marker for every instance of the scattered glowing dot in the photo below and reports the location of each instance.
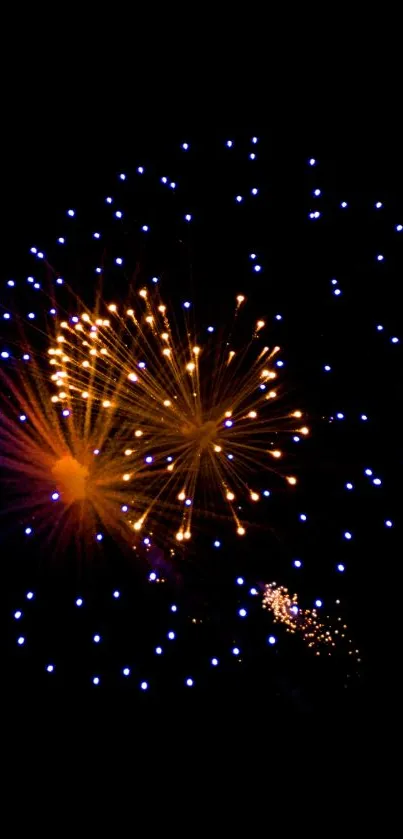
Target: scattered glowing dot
(61, 240)
(340, 416)
(399, 228)
(21, 640)
(266, 493)
(327, 368)
(149, 459)
(238, 199)
(379, 327)
(337, 292)
(240, 581)
(228, 423)
(172, 185)
(279, 363)
(378, 205)
(252, 256)
(30, 595)
(189, 683)
(344, 204)
(303, 517)
(186, 304)
(229, 144)
(271, 639)
(235, 651)
(66, 412)
(349, 486)
(377, 482)
(217, 544)
(96, 639)
(6, 316)
(257, 268)
(312, 161)
(252, 156)
(214, 662)
(28, 531)
(253, 591)
(210, 329)
(242, 613)
(70, 213)
(116, 594)
(158, 650)
(97, 235)
(380, 257)
(368, 472)
(340, 567)
(50, 668)
(347, 535)
(26, 357)
(152, 576)
(99, 537)
(171, 636)
(17, 615)
(297, 563)
(188, 217)
(174, 608)
(96, 451)
(96, 680)
(119, 260)
(394, 340)
(31, 315)
(254, 191)
(118, 214)
(144, 685)
(185, 146)
(22, 418)
(55, 496)
(126, 671)
(388, 523)
(318, 603)
(364, 417)
(79, 601)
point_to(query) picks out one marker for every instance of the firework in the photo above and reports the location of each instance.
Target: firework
(199, 422)
(50, 459)
(318, 635)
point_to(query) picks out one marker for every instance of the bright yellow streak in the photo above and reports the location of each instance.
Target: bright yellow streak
(276, 453)
(252, 414)
(255, 496)
(291, 480)
(132, 377)
(241, 531)
(297, 414)
(138, 433)
(230, 496)
(240, 299)
(126, 476)
(189, 366)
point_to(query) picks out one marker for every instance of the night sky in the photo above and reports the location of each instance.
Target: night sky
(339, 318)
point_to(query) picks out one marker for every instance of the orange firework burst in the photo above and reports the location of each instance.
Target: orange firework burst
(199, 423)
(50, 464)
(316, 633)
